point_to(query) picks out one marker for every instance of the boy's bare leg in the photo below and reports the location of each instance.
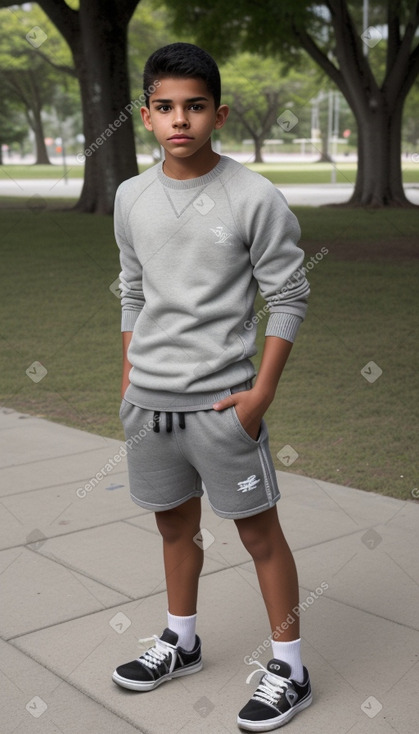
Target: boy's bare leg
(183, 558)
(262, 536)
(183, 562)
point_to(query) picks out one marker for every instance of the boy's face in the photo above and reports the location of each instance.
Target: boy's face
(182, 116)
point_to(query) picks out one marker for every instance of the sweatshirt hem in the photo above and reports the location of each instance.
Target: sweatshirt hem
(179, 402)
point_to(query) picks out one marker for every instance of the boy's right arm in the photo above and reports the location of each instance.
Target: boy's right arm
(132, 296)
(126, 366)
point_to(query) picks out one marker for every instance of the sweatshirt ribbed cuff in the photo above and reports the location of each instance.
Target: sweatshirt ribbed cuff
(283, 325)
(129, 317)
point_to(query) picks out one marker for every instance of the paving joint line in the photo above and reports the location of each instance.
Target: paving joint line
(95, 700)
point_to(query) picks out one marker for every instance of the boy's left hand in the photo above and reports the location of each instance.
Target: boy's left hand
(250, 409)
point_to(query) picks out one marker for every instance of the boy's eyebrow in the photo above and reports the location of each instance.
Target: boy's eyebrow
(189, 101)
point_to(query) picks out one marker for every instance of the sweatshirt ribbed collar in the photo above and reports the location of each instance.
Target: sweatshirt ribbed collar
(192, 183)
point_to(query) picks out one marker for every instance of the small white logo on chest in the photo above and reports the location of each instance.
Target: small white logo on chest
(248, 484)
(222, 235)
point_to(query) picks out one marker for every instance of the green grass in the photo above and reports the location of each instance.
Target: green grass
(12, 203)
(278, 173)
(344, 428)
(314, 173)
(57, 309)
(51, 172)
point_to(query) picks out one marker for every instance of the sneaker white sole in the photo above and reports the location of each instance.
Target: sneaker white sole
(270, 724)
(149, 686)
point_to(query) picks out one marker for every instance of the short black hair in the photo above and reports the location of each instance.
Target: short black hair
(182, 60)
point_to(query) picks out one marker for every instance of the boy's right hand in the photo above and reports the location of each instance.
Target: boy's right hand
(249, 407)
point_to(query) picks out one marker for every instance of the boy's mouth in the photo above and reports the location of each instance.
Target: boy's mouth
(180, 136)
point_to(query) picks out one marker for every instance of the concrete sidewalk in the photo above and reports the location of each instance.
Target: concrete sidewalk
(82, 584)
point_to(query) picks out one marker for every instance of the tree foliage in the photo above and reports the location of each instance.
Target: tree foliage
(253, 93)
(28, 80)
(257, 89)
(332, 33)
(96, 33)
(148, 30)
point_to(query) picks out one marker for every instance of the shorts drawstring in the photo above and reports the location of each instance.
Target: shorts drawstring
(169, 421)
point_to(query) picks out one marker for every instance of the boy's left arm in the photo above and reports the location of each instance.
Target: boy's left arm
(273, 231)
(251, 405)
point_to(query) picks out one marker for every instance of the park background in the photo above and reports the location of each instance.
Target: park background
(346, 407)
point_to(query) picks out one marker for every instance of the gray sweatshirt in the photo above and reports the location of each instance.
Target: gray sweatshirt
(193, 254)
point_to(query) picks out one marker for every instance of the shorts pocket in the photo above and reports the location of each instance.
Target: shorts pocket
(243, 431)
(124, 407)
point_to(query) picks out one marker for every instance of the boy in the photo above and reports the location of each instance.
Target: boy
(198, 234)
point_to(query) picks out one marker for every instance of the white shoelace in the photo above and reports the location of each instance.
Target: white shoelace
(155, 655)
(270, 687)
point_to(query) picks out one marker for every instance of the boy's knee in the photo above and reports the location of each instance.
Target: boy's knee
(168, 524)
(173, 526)
(256, 543)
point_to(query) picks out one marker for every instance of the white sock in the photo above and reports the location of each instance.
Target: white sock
(184, 628)
(290, 653)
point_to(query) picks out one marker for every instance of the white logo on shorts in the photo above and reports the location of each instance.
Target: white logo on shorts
(248, 484)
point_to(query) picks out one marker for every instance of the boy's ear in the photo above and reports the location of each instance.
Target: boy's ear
(221, 116)
(145, 114)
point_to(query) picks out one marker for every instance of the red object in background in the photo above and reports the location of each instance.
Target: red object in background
(346, 133)
(58, 149)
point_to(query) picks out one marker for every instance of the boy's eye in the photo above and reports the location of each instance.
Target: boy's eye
(166, 107)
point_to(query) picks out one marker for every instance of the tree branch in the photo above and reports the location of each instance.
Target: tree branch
(29, 118)
(401, 75)
(269, 118)
(412, 72)
(126, 9)
(321, 59)
(16, 87)
(60, 67)
(35, 91)
(360, 82)
(393, 43)
(243, 120)
(64, 18)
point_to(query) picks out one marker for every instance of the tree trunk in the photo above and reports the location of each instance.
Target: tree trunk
(24, 87)
(38, 129)
(35, 114)
(109, 145)
(258, 149)
(324, 155)
(379, 176)
(377, 109)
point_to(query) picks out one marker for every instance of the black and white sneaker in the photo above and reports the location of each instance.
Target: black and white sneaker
(158, 664)
(277, 698)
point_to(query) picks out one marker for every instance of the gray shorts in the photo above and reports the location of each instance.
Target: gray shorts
(168, 467)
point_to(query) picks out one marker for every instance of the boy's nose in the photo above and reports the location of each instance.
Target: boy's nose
(180, 123)
(180, 119)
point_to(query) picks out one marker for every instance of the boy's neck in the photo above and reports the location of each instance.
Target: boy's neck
(202, 162)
